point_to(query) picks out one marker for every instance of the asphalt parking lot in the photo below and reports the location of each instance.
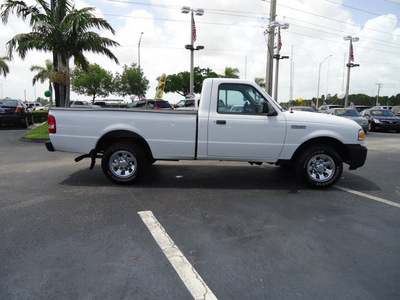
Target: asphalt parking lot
(196, 230)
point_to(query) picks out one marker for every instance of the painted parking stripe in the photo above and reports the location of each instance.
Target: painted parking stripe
(192, 280)
(368, 196)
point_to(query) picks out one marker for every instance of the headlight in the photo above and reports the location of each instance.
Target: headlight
(376, 121)
(361, 135)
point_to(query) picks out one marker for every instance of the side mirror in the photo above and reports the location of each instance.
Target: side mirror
(268, 109)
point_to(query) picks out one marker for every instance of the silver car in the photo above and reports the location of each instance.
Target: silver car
(352, 114)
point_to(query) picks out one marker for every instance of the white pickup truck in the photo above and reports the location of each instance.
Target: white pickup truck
(236, 121)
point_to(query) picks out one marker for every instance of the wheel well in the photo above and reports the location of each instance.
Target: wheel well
(123, 135)
(335, 144)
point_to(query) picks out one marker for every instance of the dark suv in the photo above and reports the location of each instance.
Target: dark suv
(150, 104)
(14, 112)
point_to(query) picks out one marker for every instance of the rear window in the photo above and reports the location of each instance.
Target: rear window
(6, 102)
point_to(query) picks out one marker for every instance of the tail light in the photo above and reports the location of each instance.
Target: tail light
(19, 109)
(156, 107)
(52, 124)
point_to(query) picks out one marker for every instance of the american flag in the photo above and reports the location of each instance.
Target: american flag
(194, 31)
(351, 51)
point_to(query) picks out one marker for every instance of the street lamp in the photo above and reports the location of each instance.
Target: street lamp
(319, 76)
(350, 64)
(277, 56)
(140, 39)
(197, 12)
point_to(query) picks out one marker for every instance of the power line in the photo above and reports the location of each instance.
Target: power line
(359, 9)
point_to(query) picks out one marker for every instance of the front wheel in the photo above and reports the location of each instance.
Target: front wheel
(371, 127)
(124, 163)
(319, 166)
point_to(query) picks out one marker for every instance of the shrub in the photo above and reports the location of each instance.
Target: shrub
(40, 116)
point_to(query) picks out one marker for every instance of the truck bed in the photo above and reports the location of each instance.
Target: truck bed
(172, 134)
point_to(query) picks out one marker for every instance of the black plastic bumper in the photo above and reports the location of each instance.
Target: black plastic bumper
(49, 146)
(357, 156)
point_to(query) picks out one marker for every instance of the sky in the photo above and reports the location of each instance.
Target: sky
(233, 33)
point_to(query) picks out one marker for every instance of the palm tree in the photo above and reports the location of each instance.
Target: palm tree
(64, 31)
(231, 72)
(43, 74)
(4, 69)
(260, 81)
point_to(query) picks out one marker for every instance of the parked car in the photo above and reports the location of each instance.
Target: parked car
(79, 103)
(396, 110)
(150, 104)
(382, 107)
(14, 112)
(359, 108)
(352, 114)
(324, 108)
(381, 119)
(302, 108)
(34, 106)
(186, 104)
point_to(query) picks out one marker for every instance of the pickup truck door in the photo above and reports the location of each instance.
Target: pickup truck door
(237, 128)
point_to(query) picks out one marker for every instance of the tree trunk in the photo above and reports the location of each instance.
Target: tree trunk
(68, 85)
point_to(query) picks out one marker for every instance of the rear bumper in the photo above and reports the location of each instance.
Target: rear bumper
(357, 156)
(11, 119)
(49, 146)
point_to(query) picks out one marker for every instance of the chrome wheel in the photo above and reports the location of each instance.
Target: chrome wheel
(122, 164)
(321, 168)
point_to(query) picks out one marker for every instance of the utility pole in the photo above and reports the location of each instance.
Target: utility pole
(140, 39)
(270, 52)
(291, 75)
(350, 65)
(377, 96)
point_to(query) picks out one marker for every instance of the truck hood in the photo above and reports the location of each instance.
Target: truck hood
(317, 118)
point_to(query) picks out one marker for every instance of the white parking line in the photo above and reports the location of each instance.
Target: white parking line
(367, 196)
(192, 280)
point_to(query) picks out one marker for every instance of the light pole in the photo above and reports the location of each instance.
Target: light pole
(350, 64)
(269, 70)
(197, 12)
(140, 39)
(319, 76)
(277, 56)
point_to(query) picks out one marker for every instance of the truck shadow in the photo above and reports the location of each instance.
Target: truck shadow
(220, 176)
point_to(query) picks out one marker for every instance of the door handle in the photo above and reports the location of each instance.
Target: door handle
(221, 122)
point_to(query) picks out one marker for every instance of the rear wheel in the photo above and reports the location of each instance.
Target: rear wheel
(124, 162)
(24, 122)
(319, 166)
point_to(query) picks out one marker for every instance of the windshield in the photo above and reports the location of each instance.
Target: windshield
(382, 112)
(347, 113)
(8, 103)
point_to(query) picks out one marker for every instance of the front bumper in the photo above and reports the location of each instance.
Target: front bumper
(357, 155)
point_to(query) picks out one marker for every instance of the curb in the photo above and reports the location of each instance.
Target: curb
(34, 140)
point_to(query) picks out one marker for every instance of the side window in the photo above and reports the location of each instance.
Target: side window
(180, 103)
(239, 99)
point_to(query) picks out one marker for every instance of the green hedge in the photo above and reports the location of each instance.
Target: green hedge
(40, 116)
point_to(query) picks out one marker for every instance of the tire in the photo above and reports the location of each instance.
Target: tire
(31, 120)
(319, 166)
(124, 162)
(371, 127)
(24, 123)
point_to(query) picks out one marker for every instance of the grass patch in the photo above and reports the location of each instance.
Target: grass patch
(41, 131)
